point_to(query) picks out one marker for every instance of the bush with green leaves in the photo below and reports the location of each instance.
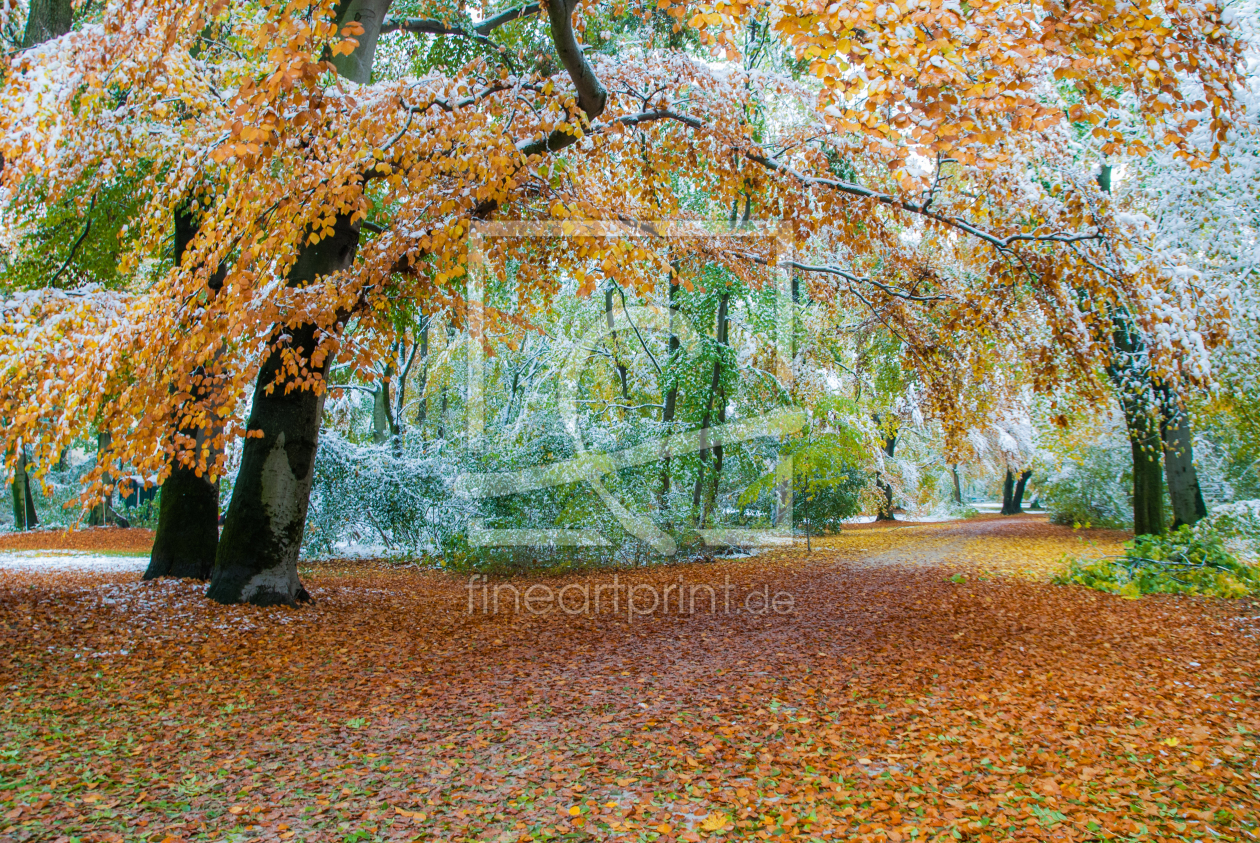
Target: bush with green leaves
(1189, 560)
(1094, 490)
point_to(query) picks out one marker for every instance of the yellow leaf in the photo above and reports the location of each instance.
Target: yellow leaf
(713, 822)
(575, 811)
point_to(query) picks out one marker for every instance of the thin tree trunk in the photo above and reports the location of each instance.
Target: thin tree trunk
(24, 515)
(188, 511)
(262, 536)
(671, 393)
(422, 404)
(958, 497)
(1183, 481)
(103, 513)
(622, 371)
(715, 384)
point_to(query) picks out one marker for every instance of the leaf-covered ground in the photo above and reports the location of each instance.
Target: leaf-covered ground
(927, 683)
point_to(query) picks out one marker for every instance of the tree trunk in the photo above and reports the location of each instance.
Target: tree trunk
(24, 515)
(1129, 373)
(262, 536)
(188, 527)
(671, 393)
(1008, 493)
(622, 371)
(422, 404)
(188, 512)
(1148, 473)
(47, 19)
(103, 513)
(1183, 480)
(885, 512)
(1017, 503)
(382, 413)
(953, 470)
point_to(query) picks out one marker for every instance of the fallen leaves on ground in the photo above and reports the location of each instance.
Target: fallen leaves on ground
(897, 701)
(132, 539)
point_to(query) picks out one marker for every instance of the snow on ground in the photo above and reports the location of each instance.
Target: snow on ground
(70, 560)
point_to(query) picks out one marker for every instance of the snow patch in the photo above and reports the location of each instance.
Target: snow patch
(69, 560)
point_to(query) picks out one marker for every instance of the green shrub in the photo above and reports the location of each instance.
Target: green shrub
(1094, 492)
(1185, 561)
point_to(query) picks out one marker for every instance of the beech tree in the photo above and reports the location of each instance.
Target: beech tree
(918, 155)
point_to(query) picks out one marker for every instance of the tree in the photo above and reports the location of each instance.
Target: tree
(355, 191)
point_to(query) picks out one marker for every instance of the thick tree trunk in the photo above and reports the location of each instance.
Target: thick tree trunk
(187, 536)
(953, 470)
(262, 536)
(1008, 493)
(1128, 371)
(1183, 480)
(383, 427)
(47, 19)
(188, 527)
(258, 551)
(1017, 503)
(1148, 473)
(24, 515)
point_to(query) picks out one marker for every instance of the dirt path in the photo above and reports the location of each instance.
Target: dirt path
(890, 702)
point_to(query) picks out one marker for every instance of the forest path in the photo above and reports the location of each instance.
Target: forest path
(878, 696)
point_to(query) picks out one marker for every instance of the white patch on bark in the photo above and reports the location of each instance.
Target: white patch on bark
(280, 502)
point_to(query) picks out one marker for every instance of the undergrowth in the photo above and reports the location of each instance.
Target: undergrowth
(1185, 561)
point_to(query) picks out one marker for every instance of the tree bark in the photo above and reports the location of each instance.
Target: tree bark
(47, 19)
(262, 536)
(958, 497)
(24, 515)
(383, 426)
(187, 536)
(1183, 481)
